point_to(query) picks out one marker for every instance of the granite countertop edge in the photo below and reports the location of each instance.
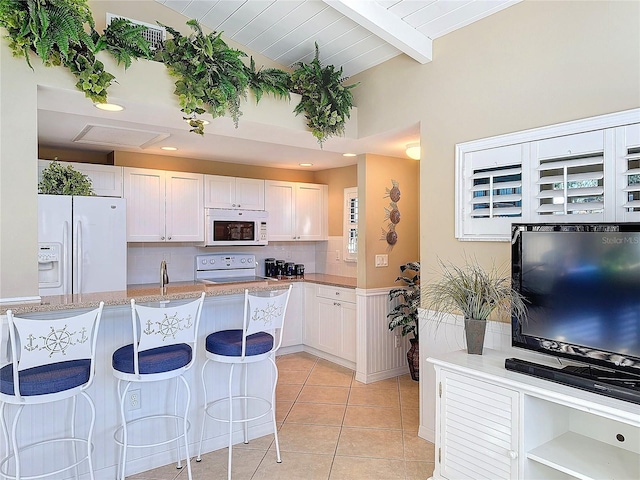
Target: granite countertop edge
(173, 291)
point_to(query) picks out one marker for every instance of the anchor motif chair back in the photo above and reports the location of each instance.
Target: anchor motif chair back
(51, 360)
(257, 341)
(164, 347)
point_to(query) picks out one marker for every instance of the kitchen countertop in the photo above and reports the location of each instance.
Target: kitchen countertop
(173, 291)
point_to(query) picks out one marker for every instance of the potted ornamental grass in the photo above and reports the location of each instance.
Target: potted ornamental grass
(476, 294)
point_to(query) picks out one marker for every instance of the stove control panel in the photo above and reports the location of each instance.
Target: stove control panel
(225, 261)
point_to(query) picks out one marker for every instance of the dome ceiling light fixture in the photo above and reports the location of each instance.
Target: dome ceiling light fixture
(413, 150)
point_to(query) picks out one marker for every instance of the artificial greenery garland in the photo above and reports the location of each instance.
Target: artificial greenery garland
(55, 31)
(211, 76)
(326, 103)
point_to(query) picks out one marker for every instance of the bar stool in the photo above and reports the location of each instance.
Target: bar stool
(257, 341)
(163, 348)
(51, 360)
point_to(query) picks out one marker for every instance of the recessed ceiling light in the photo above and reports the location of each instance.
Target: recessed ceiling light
(348, 154)
(169, 149)
(306, 164)
(204, 122)
(109, 107)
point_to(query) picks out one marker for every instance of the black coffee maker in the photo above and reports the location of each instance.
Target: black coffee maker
(270, 268)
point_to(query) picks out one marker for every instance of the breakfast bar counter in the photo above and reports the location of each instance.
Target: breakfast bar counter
(173, 291)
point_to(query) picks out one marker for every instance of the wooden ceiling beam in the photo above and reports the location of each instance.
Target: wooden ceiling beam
(389, 27)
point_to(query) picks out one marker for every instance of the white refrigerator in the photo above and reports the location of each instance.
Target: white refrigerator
(82, 244)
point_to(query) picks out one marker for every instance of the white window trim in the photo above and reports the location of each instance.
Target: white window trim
(524, 138)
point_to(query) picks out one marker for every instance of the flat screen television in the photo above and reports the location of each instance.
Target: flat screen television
(582, 285)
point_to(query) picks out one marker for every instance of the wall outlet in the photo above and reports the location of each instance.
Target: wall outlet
(134, 400)
(396, 339)
(382, 260)
(338, 255)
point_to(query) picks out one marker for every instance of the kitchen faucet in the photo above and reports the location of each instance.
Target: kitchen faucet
(164, 276)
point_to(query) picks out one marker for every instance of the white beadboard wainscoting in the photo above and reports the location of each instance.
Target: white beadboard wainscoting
(377, 356)
(219, 313)
(437, 337)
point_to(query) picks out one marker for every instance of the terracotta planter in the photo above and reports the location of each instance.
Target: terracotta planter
(413, 357)
(474, 331)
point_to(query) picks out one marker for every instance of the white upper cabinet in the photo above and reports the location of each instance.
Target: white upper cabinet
(164, 206)
(297, 211)
(233, 193)
(106, 180)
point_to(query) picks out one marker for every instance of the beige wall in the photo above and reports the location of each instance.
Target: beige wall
(532, 64)
(375, 175)
(338, 179)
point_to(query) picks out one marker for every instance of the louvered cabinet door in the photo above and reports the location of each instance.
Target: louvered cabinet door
(478, 429)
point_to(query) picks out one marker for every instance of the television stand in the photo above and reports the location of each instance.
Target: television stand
(620, 385)
(494, 423)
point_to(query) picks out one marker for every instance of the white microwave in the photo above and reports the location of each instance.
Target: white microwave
(235, 227)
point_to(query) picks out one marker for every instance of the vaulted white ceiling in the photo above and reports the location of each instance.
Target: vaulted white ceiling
(353, 34)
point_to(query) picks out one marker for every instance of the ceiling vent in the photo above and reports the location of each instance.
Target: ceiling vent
(119, 136)
(154, 34)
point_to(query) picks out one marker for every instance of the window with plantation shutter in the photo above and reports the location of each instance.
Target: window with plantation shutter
(571, 186)
(351, 224)
(628, 144)
(492, 195)
(569, 177)
(586, 170)
(497, 192)
(632, 174)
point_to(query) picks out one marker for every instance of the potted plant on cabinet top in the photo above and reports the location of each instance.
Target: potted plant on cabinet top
(60, 180)
(476, 293)
(405, 313)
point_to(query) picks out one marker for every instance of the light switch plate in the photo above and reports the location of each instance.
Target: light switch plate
(382, 260)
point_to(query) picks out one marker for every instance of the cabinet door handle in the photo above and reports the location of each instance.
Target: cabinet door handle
(161, 238)
(336, 304)
(169, 238)
(513, 454)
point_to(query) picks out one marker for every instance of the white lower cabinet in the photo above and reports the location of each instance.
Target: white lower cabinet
(330, 322)
(293, 320)
(496, 424)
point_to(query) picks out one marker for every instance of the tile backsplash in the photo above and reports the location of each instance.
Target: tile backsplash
(144, 259)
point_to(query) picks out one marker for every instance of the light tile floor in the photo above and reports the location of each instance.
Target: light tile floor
(331, 427)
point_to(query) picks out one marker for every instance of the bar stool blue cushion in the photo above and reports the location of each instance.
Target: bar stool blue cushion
(45, 379)
(155, 360)
(229, 343)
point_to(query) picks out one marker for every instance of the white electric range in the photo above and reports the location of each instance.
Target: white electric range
(227, 268)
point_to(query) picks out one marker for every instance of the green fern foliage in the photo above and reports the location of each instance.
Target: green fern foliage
(326, 102)
(210, 76)
(62, 32)
(124, 41)
(271, 81)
